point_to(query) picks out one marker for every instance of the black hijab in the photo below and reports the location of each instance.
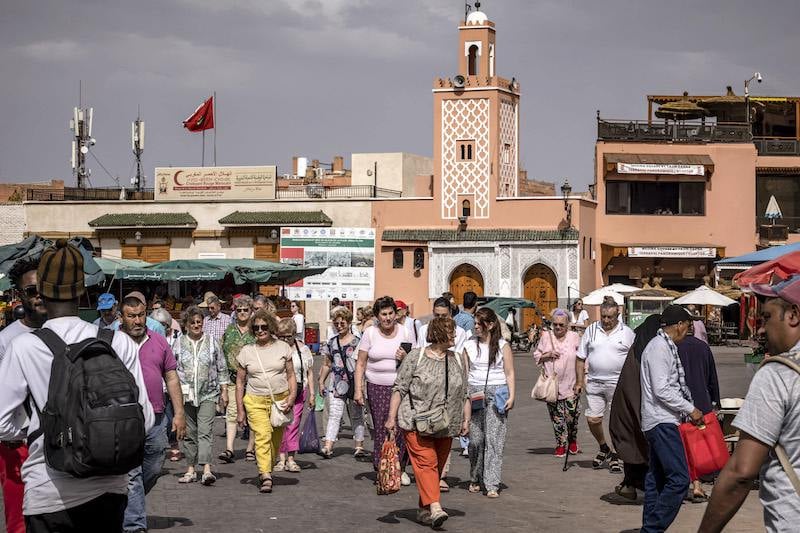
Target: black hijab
(644, 334)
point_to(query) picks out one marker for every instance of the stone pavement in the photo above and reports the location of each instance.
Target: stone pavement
(338, 494)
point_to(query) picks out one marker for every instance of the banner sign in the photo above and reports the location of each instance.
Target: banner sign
(215, 183)
(672, 252)
(647, 168)
(349, 254)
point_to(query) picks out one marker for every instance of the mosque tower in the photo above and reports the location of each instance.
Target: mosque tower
(476, 126)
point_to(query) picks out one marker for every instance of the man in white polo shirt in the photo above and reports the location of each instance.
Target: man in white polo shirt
(604, 347)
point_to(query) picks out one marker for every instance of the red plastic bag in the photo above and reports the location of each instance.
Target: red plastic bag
(706, 451)
(389, 467)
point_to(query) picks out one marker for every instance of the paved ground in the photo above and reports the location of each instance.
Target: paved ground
(338, 494)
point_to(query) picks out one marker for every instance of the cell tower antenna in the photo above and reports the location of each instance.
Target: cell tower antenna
(81, 126)
(137, 145)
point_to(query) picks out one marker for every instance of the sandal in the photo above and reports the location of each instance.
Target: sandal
(250, 456)
(326, 453)
(474, 488)
(699, 498)
(359, 452)
(266, 485)
(188, 477)
(208, 479)
(226, 456)
(492, 494)
(292, 466)
(174, 455)
(280, 466)
(443, 486)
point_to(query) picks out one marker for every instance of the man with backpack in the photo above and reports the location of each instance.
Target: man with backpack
(768, 423)
(13, 452)
(158, 367)
(88, 421)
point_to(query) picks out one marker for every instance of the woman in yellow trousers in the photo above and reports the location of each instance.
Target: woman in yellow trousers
(266, 369)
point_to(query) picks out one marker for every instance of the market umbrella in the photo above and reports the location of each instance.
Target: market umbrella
(729, 107)
(705, 295)
(682, 109)
(622, 288)
(501, 306)
(110, 265)
(242, 271)
(761, 256)
(773, 209)
(33, 247)
(782, 268)
(597, 296)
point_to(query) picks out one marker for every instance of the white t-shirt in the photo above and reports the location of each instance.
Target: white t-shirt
(461, 338)
(479, 363)
(583, 316)
(412, 325)
(12, 330)
(605, 353)
(26, 370)
(300, 324)
(308, 362)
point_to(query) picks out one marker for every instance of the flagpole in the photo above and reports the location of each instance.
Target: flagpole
(214, 114)
(203, 151)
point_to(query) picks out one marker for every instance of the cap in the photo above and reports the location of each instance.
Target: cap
(673, 314)
(788, 289)
(138, 295)
(400, 304)
(105, 301)
(60, 272)
(206, 296)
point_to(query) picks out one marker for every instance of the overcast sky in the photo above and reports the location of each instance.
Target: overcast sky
(326, 77)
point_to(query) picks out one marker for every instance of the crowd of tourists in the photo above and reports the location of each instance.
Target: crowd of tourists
(149, 387)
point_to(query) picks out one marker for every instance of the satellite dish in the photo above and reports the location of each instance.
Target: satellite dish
(459, 82)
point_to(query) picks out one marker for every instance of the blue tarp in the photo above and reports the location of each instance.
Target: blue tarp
(761, 256)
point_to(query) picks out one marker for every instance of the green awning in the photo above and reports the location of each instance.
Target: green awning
(242, 270)
(32, 248)
(501, 306)
(144, 220)
(276, 218)
(110, 265)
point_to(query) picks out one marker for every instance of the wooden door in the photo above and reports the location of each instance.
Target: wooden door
(540, 286)
(152, 253)
(270, 251)
(465, 278)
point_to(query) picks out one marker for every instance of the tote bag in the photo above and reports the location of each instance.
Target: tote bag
(309, 438)
(389, 467)
(706, 451)
(546, 387)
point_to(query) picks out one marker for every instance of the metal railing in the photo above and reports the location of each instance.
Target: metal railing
(318, 191)
(79, 194)
(635, 130)
(777, 146)
(793, 223)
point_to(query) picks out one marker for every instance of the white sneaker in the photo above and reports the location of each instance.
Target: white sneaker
(405, 480)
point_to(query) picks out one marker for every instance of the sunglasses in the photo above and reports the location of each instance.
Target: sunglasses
(557, 325)
(243, 310)
(260, 327)
(31, 291)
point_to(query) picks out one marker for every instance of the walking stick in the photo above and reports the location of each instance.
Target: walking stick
(570, 428)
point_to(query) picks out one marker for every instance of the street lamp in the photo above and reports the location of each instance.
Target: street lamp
(566, 189)
(756, 76)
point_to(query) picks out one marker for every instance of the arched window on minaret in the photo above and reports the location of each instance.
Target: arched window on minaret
(472, 60)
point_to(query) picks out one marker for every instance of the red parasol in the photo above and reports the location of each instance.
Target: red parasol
(781, 268)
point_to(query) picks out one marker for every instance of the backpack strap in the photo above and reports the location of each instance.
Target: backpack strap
(106, 335)
(56, 345)
(780, 451)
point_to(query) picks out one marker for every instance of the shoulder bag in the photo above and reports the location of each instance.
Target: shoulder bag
(277, 418)
(433, 420)
(780, 451)
(546, 387)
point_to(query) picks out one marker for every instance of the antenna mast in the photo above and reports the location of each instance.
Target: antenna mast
(81, 126)
(137, 145)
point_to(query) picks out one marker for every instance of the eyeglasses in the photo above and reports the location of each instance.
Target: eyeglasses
(260, 327)
(31, 291)
(243, 310)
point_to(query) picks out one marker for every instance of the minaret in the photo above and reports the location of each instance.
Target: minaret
(476, 124)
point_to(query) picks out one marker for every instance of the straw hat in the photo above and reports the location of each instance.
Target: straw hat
(206, 296)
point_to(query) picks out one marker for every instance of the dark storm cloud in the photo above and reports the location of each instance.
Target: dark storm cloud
(327, 77)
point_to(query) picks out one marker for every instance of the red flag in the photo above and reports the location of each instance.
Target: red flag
(202, 118)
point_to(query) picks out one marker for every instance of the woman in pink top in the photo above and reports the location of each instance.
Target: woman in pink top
(557, 350)
(379, 355)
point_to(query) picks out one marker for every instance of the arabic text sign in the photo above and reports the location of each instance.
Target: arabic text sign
(672, 251)
(647, 168)
(349, 254)
(215, 183)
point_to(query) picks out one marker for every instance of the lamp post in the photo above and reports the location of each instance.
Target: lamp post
(566, 189)
(756, 76)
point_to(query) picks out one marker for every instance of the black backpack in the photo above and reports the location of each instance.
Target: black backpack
(92, 422)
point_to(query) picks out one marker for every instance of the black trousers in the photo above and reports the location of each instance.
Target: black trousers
(104, 514)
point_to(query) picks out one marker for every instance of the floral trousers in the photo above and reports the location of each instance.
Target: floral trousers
(564, 415)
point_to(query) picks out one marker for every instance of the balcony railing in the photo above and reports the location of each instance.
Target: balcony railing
(79, 194)
(634, 130)
(317, 191)
(777, 146)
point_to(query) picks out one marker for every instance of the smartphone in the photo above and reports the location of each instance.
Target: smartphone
(406, 346)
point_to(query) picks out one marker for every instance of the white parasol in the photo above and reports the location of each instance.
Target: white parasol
(705, 295)
(773, 209)
(597, 296)
(622, 288)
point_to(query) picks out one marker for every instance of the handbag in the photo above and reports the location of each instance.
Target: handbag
(309, 438)
(706, 451)
(546, 387)
(277, 418)
(389, 467)
(433, 420)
